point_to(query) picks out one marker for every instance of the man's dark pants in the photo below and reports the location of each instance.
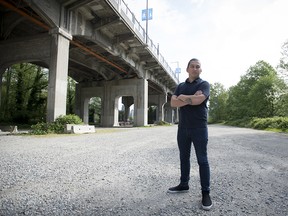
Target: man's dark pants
(199, 138)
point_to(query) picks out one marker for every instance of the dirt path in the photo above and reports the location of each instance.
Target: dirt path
(128, 171)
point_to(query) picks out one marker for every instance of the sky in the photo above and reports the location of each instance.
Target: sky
(227, 36)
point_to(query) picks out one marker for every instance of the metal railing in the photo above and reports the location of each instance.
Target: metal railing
(129, 17)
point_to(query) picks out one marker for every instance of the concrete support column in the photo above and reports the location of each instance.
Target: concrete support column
(127, 101)
(159, 100)
(78, 102)
(108, 106)
(84, 93)
(58, 74)
(2, 71)
(168, 113)
(175, 115)
(161, 104)
(141, 103)
(82, 104)
(116, 112)
(86, 110)
(133, 90)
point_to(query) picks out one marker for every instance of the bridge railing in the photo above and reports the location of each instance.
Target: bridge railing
(136, 27)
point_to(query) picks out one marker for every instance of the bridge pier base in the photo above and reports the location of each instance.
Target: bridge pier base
(110, 92)
(158, 100)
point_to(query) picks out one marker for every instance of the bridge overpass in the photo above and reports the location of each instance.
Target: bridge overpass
(98, 43)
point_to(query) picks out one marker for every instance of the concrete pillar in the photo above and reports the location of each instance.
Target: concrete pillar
(2, 71)
(162, 102)
(78, 103)
(159, 100)
(116, 111)
(86, 110)
(175, 115)
(58, 74)
(171, 114)
(133, 89)
(127, 101)
(108, 106)
(84, 93)
(168, 113)
(141, 103)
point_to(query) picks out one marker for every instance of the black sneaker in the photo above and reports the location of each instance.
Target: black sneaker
(179, 189)
(206, 201)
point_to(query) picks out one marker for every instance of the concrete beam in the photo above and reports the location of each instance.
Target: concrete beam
(28, 49)
(49, 10)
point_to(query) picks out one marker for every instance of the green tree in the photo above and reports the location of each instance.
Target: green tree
(20, 114)
(152, 114)
(71, 87)
(283, 65)
(262, 96)
(256, 93)
(236, 106)
(281, 105)
(24, 93)
(37, 99)
(6, 90)
(217, 103)
(95, 110)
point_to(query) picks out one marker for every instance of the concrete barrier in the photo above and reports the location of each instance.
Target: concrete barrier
(79, 129)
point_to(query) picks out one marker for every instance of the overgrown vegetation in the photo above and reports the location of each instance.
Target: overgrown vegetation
(280, 123)
(23, 96)
(57, 126)
(259, 100)
(163, 123)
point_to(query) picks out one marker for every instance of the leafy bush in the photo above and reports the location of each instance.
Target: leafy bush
(68, 119)
(40, 128)
(280, 123)
(245, 122)
(163, 123)
(57, 126)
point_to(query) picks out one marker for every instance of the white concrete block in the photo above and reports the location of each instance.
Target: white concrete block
(68, 128)
(80, 129)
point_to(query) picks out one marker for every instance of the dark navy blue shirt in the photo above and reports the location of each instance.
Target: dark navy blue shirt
(193, 116)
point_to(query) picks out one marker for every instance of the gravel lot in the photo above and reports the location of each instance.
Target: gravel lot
(127, 171)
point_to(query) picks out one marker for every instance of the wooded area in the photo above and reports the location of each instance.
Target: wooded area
(262, 93)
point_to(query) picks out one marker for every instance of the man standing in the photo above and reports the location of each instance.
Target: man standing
(191, 97)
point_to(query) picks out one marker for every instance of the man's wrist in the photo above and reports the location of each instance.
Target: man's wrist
(189, 100)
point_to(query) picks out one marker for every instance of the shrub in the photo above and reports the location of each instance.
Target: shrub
(68, 119)
(161, 123)
(57, 126)
(40, 128)
(280, 123)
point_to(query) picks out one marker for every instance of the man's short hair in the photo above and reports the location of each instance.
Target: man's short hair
(193, 59)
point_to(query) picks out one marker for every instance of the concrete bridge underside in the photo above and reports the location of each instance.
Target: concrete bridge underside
(98, 43)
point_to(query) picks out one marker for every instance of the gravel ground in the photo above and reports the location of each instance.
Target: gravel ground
(128, 171)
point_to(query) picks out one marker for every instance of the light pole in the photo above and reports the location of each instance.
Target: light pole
(146, 16)
(146, 21)
(177, 70)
